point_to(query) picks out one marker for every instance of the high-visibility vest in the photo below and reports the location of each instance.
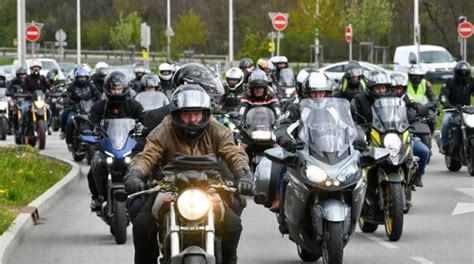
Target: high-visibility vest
(419, 95)
(345, 83)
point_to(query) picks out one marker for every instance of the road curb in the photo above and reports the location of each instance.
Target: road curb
(31, 213)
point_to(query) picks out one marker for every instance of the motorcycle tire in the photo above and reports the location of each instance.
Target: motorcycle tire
(393, 214)
(4, 129)
(55, 123)
(195, 259)
(120, 222)
(367, 227)
(452, 164)
(305, 255)
(78, 157)
(470, 161)
(333, 245)
(42, 130)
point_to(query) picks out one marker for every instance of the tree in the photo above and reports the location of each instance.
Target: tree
(371, 20)
(126, 31)
(190, 32)
(254, 46)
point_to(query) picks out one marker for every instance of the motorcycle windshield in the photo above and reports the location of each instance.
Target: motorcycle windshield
(3, 94)
(389, 114)
(327, 125)
(287, 78)
(260, 119)
(118, 131)
(152, 100)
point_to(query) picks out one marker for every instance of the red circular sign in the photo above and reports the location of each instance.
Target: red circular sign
(348, 34)
(279, 22)
(32, 33)
(465, 29)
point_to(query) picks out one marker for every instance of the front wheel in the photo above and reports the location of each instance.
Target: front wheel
(4, 126)
(367, 227)
(470, 161)
(119, 222)
(42, 129)
(452, 164)
(393, 213)
(305, 255)
(194, 259)
(333, 245)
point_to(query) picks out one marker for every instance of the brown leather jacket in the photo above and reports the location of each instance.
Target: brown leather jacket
(163, 143)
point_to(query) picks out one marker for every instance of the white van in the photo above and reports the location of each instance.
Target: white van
(437, 62)
(46, 66)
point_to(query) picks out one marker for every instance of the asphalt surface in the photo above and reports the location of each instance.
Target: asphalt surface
(438, 229)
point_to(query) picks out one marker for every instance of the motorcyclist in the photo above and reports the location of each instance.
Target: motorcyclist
(98, 78)
(17, 85)
(418, 87)
(165, 72)
(117, 105)
(150, 83)
(247, 66)
(352, 82)
(80, 89)
(258, 95)
(266, 66)
(399, 88)
(189, 130)
(455, 92)
(139, 72)
(34, 82)
(315, 85)
(234, 89)
(280, 62)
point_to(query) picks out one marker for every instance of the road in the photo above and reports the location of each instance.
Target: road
(438, 229)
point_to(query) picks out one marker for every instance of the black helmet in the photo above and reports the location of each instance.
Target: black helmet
(376, 79)
(150, 80)
(102, 72)
(462, 71)
(21, 71)
(195, 73)
(245, 63)
(81, 77)
(258, 78)
(190, 97)
(353, 73)
(116, 79)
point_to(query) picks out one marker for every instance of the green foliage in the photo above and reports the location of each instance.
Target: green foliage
(7, 22)
(126, 31)
(93, 33)
(24, 176)
(371, 21)
(254, 45)
(190, 32)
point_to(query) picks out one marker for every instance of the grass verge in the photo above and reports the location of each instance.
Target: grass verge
(24, 175)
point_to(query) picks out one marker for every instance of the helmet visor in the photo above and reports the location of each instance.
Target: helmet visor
(192, 99)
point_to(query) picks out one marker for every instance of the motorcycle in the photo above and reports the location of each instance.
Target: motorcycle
(325, 190)
(385, 200)
(55, 101)
(460, 151)
(258, 127)
(286, 85)
(188, 207)
(79, 148)
(36, 122)
(152, 100)
(428, 118)
(115, 139)
(4, 114)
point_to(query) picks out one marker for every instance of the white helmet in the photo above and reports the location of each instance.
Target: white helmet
(86, 67)
(99, 65)
(317, 81)
(165, 71)
(35, 63)
(234, 77)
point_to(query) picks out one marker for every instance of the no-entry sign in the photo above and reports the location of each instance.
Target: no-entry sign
(279, 22)
(348, 34)
(465, 29)
(32, 33)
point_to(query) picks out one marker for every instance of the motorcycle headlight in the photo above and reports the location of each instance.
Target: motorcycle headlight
(393, 144)
(468, 119)
(109, 160)
(127, 159)
(193, 204)
(315, 174)
(261, 135)
(39, 104)
(289, 91)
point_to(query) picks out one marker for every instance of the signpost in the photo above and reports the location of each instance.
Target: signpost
(60, 36)
(33, 33)
(348, 38)
(279, 23)
(465, 31)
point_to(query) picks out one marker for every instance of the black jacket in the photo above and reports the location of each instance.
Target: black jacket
(35, 83)
(454, 93)
(99, 84)
(270, 101)
(135, 85)
(105, 109)
(77, 93)
(291, 115)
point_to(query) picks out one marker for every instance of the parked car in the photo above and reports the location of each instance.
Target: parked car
(437, 62)
(46, 65)
(335, 71)
(7, 71)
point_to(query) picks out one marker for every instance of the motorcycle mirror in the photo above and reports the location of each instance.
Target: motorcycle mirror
(374, 156)
(281, 156)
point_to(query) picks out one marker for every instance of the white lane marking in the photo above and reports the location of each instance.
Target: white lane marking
(463, 208)
(468, 191)
(422, 260)
(380, 241)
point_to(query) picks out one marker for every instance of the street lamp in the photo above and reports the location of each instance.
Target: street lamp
(78, 32)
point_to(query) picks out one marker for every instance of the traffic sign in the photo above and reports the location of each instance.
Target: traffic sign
(465, 29)
(271, 46)
(348, 34)
(60, 35)
(32, 33)
(279, 22)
